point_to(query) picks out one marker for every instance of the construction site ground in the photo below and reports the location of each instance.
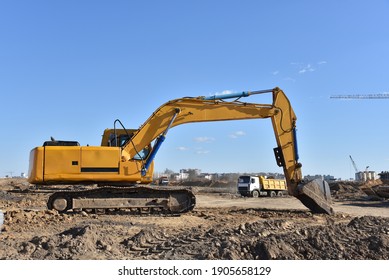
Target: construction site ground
(223, 225)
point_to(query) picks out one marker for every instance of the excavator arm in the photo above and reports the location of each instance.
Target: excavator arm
(191, 110)
(315, 195)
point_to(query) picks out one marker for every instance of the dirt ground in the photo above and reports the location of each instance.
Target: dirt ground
(223, 225)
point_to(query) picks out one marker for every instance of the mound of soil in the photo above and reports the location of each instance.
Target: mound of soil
(361, 238)
(345, 190)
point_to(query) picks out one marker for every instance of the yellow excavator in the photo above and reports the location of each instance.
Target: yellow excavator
(123, 165)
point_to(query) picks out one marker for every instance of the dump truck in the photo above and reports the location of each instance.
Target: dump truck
(256, 186)
(163, 181)
(122, 167)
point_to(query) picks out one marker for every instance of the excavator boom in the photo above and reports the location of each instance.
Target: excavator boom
(315, 195)
(126, 156)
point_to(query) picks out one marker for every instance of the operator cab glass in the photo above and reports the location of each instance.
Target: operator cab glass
(117, 141)
(121, 140)
(142, 154)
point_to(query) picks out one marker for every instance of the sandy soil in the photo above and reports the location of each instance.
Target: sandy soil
(223, 225)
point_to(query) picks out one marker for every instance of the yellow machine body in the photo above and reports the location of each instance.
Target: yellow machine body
(51, 164)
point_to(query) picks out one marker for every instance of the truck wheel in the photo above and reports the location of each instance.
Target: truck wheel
(280, 194)
(255, 193)
(272, 194)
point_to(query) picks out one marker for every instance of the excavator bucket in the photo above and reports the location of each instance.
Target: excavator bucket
(316, 196)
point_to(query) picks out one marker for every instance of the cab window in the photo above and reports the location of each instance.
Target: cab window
(121, 140)
(117, 141)
(142, 154)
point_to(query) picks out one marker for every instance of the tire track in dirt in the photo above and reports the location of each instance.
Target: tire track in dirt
(229, 240)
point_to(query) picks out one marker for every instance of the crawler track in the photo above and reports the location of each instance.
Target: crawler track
(137, 199)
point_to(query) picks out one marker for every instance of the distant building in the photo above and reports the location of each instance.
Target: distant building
(191, 170)
(209, 176)
(363, 176)
(328, 178)
(22, 175)
(181, 176)
(313, 177)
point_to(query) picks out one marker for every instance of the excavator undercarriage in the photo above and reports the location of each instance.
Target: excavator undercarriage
(136, 199)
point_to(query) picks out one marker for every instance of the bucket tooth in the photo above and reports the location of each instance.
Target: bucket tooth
(316, 196)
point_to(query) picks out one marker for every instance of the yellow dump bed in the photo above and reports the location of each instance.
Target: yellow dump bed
(272, 184)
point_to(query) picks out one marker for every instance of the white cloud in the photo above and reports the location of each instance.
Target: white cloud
(204, 139)
(290, 79)
(202, 152)
(307, 68)
(237, 134)
(182, 148)
(275, 72)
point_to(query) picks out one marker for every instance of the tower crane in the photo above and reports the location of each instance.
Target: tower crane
(359, 175)
(384, 95)
(355, 166)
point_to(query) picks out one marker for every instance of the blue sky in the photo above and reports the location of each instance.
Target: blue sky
(68, 69)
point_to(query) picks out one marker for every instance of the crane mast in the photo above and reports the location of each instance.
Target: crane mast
(354, 165)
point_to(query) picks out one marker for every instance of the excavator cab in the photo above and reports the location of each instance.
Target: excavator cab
(120, 138)
(116, 137)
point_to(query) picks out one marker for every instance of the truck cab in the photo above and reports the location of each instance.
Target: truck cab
(249, 186)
